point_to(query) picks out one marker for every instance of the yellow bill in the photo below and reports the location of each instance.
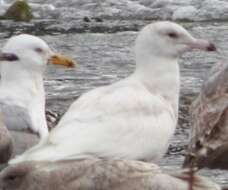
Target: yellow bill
(58, 59)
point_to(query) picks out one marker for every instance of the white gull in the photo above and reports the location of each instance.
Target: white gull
(22, 97)
(130, 119)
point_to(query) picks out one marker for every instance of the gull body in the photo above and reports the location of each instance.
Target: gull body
(22, 98)
(130, 119)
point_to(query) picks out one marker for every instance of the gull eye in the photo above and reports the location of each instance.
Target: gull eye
(172, 35)
(39, 50)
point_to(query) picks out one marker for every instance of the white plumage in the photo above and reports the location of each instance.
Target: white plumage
(22, 98)
(22, 95)
(133, 118)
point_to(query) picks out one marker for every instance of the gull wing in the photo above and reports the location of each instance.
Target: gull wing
(15, 117)
(123, 120)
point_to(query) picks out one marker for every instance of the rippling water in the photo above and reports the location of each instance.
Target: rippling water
(104, 52)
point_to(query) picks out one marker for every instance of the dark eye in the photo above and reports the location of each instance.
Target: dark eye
(173, 35)
(39, 50)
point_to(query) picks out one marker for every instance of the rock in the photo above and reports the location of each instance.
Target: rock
(93, 173)
(86, 19)
(209, 143)
(97, 19)
(6, 146)
(19, 11)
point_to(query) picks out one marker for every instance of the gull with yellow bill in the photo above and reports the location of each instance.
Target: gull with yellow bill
(22, 97)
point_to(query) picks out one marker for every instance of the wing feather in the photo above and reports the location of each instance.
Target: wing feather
(122, 115)
(15, 117)
(122, 120)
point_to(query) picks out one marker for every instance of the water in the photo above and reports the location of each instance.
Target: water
(104, 53)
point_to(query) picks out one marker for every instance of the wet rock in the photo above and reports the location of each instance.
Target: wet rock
(93, 173)
(98, 19)
(6, 147)
(86, 19)
(209, 143)
(18, 11)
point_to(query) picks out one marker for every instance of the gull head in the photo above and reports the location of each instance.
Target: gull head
(31, 53)
(168, 40)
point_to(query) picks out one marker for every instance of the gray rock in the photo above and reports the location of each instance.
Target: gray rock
(97, 174)
(5, 144)
(209, 143)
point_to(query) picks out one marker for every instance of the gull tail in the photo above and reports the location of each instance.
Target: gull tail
(37, 153)
(49, 152)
